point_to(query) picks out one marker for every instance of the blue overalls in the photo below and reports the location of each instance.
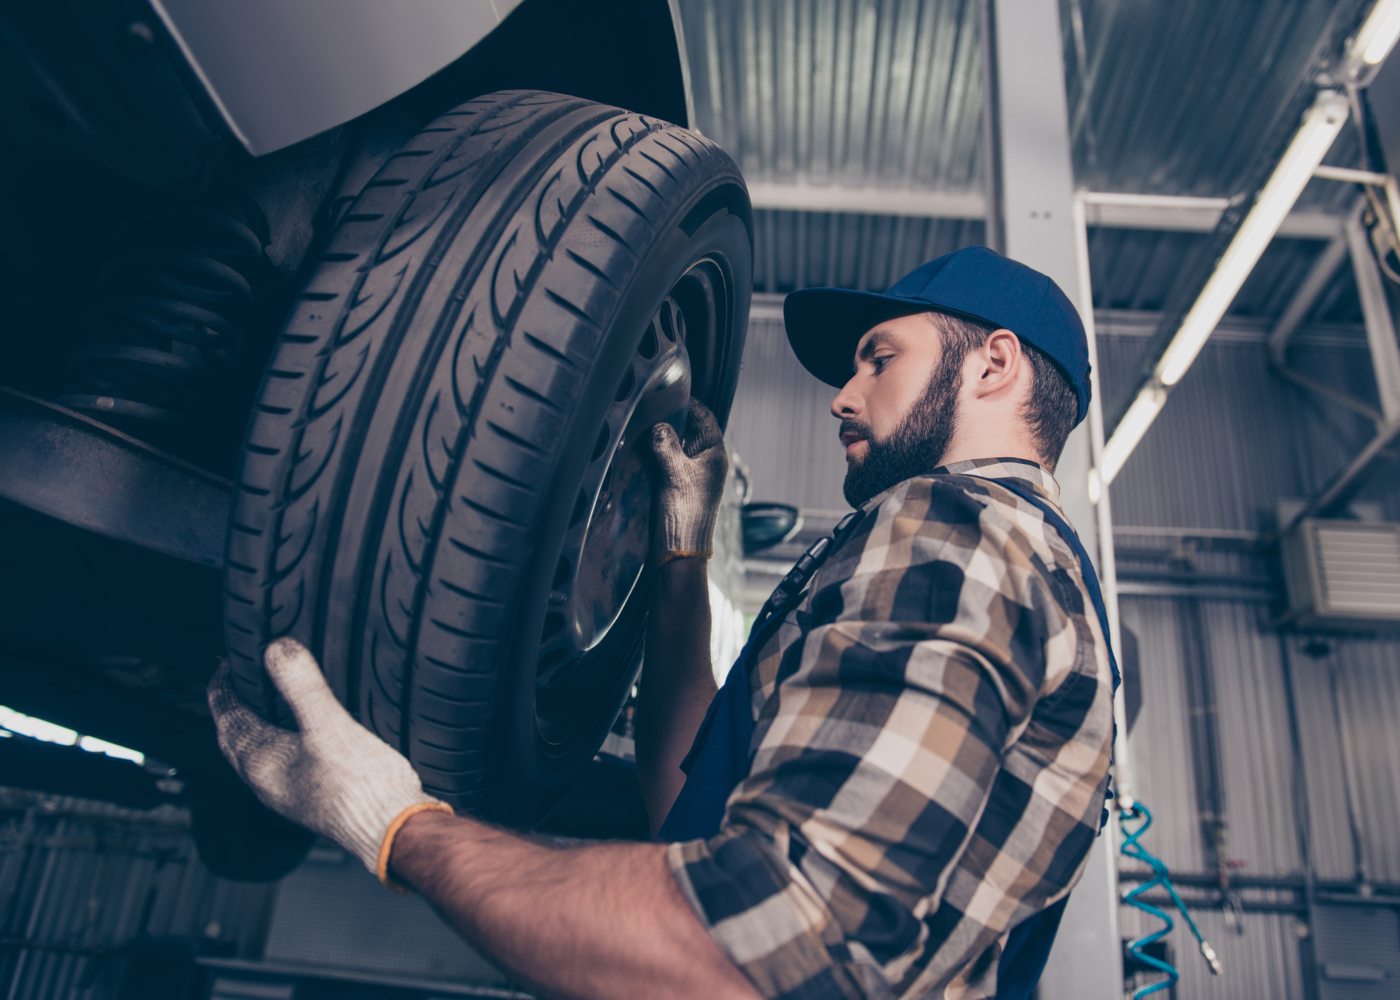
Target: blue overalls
(722, 754)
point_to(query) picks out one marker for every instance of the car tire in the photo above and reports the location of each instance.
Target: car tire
(442, 489)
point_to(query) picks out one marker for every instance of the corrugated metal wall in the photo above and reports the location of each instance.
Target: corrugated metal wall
(1175, 98)
(781, 425)
(866, 94)
(800, 249)
(81, 883)
(1233, 441)
(834, 90)
(1235, 438)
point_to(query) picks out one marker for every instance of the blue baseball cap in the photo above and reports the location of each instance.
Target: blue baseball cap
(825, 324)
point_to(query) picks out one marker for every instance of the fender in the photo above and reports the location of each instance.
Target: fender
(280, 73)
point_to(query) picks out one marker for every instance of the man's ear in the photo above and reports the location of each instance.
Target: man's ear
(999, 363)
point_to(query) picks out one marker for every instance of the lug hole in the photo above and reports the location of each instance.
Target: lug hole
(648, 347)
(601, 445)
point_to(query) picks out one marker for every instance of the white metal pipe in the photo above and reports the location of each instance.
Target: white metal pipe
(1106, 209)
(1169, 213)
(1103, 511)
(1316, 282)
(1348, 175)
(1380, 329)
(1171, 202)
(800, 196)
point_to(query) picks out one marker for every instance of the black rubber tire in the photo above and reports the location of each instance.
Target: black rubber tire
(416, 448)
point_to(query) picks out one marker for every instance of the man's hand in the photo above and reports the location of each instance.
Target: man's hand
(689, 485)
(332, 775)
(677, 680)
(589, 921)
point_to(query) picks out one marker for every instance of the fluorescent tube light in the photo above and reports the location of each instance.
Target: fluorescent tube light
(51, 732)
(1310, 144)
(1377, 35)
(1130, 431)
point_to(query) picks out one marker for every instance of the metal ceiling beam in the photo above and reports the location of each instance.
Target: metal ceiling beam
(1380, 328)
(868, 200)
(1103, 209)
(767, 307)
(1038, 222)
(1381, 450)
(1384, 446)
(1166, 213)
(1316, 282)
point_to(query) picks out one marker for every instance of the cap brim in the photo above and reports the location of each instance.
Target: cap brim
(825, 324)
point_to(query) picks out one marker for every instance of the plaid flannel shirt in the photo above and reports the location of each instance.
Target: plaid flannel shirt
(933, 729)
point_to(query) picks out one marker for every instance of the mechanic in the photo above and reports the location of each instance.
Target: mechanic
(899, 782)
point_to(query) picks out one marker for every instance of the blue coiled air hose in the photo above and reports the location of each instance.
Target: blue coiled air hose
(1134, 821)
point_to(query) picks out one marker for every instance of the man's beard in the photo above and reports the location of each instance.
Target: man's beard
(917, 445)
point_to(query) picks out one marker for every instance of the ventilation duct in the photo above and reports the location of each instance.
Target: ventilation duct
(1343, 574)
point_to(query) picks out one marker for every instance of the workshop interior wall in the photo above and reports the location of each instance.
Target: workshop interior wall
(1233, 441)
(781, 426)
(91, 890)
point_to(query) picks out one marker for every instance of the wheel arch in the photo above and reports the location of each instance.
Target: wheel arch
(252, 65)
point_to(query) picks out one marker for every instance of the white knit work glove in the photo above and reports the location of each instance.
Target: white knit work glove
(332, 775)
(689, 484)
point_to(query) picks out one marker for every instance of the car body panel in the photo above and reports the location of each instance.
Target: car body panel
(282, 72)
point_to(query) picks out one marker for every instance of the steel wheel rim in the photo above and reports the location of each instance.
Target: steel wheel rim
(592, 623)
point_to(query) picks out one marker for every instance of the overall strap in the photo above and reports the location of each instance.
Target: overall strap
(1086, 565)
(719, 758)
(1028, 946)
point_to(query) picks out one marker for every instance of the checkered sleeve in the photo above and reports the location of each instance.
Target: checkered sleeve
(920, 659)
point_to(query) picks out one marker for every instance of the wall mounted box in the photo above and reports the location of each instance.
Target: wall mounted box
(1343, 575)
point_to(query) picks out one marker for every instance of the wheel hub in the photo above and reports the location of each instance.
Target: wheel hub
(609, 537)
(615, 549)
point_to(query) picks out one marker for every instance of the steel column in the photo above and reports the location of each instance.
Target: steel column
(1316, 282)
(1380, 330)
(1385, 359)
(1035, 184)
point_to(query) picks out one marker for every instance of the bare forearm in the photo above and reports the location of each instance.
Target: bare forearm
(677, 681)
(599, 920)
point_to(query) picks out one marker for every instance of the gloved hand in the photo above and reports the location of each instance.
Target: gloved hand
(689, 485)
(332, 775)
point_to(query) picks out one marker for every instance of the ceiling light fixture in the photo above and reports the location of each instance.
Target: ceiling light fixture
(1130, 430)
(1315, 135)
(1276, 199)
(1377, 35)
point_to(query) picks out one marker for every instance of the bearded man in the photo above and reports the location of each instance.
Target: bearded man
(897, 785)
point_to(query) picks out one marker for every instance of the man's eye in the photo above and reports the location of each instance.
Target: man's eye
(880, 360)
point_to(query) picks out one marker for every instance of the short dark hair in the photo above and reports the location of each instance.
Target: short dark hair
(1052, 406)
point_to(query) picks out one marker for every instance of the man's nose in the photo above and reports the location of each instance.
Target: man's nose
(847, 403)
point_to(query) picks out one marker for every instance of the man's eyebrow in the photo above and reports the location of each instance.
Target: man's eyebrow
(878, 339)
